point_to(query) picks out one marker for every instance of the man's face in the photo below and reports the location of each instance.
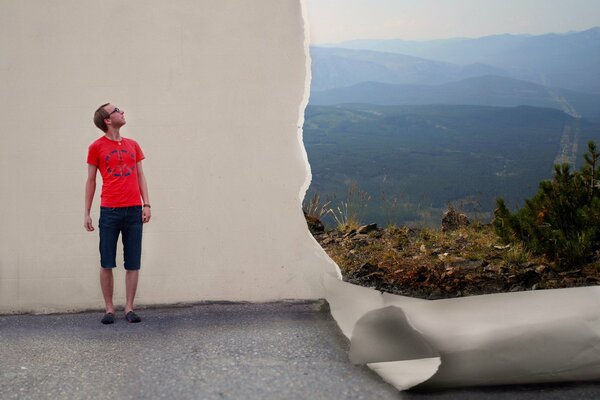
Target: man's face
(116, 117)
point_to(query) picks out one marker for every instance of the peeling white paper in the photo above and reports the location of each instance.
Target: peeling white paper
(509, 338)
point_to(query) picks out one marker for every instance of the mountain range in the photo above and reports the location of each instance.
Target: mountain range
(334, 68)
(569, 60)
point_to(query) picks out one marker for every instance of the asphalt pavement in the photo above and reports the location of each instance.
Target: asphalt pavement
(282, 350)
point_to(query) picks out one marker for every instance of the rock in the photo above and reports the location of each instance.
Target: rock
(517, 288)
(453, 220)
(435, 251)
(351, 233)
(367, 275)
(540, 268)
(314, 224)
(529, 278)
(369, 268)
(572, 272)
(367, 228)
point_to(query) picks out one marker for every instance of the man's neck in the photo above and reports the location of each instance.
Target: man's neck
(113, 134)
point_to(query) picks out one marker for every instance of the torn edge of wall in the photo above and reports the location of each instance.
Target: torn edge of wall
(509, 338)
(301, 110)
(304, 103)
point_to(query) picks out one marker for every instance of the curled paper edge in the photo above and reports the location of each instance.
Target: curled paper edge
(406, 374)
(375, 338)
(507, 338)
(348, 304)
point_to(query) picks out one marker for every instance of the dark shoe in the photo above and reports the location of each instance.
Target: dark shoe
(132, 317)
(108, 318)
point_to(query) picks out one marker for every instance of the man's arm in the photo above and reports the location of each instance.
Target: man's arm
(90, 189)
(146, 213)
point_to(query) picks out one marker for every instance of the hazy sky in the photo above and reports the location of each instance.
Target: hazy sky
(338, 20)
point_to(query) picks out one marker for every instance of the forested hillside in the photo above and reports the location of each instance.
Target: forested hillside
(414, 160)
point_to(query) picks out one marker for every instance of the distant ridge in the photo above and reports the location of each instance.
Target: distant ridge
(487, 90)
(333, 68)
(436, 49)
(568, 60)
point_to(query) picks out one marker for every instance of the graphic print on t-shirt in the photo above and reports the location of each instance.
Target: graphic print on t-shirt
(117, 165)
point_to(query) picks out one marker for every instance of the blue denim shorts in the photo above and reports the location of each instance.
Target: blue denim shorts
(128, 222)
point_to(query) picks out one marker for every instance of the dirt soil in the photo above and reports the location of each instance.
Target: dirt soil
(432, 264)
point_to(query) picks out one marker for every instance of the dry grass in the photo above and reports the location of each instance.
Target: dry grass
(429, 263)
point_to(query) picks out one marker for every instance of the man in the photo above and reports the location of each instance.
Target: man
(124, 206)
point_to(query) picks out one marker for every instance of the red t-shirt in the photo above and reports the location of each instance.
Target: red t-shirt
(117, 164)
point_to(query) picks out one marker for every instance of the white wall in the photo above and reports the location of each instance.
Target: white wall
(213, 91)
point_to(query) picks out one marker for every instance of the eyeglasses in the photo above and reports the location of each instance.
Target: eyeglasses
(114, 111)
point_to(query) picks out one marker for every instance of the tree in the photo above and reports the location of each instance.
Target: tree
(562, 221)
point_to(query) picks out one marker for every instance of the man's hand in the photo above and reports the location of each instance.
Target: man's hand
(90, 188)
(87, 224)
(146, 214)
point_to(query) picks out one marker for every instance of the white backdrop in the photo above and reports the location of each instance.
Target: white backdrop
(214, 92)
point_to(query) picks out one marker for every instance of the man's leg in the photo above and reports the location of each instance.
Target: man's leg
(132, 252)
(109, 234)
(107, 284)
(131, 281)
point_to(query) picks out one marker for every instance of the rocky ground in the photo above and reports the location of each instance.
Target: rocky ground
(461, 259)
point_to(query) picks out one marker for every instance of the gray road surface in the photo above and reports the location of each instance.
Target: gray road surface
(284, 350)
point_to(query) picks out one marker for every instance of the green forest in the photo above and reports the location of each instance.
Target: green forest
(406, 164)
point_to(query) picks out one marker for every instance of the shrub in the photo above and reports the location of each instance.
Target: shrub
(562, 221)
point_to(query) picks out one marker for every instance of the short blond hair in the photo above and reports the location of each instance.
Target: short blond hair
(99, 116)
